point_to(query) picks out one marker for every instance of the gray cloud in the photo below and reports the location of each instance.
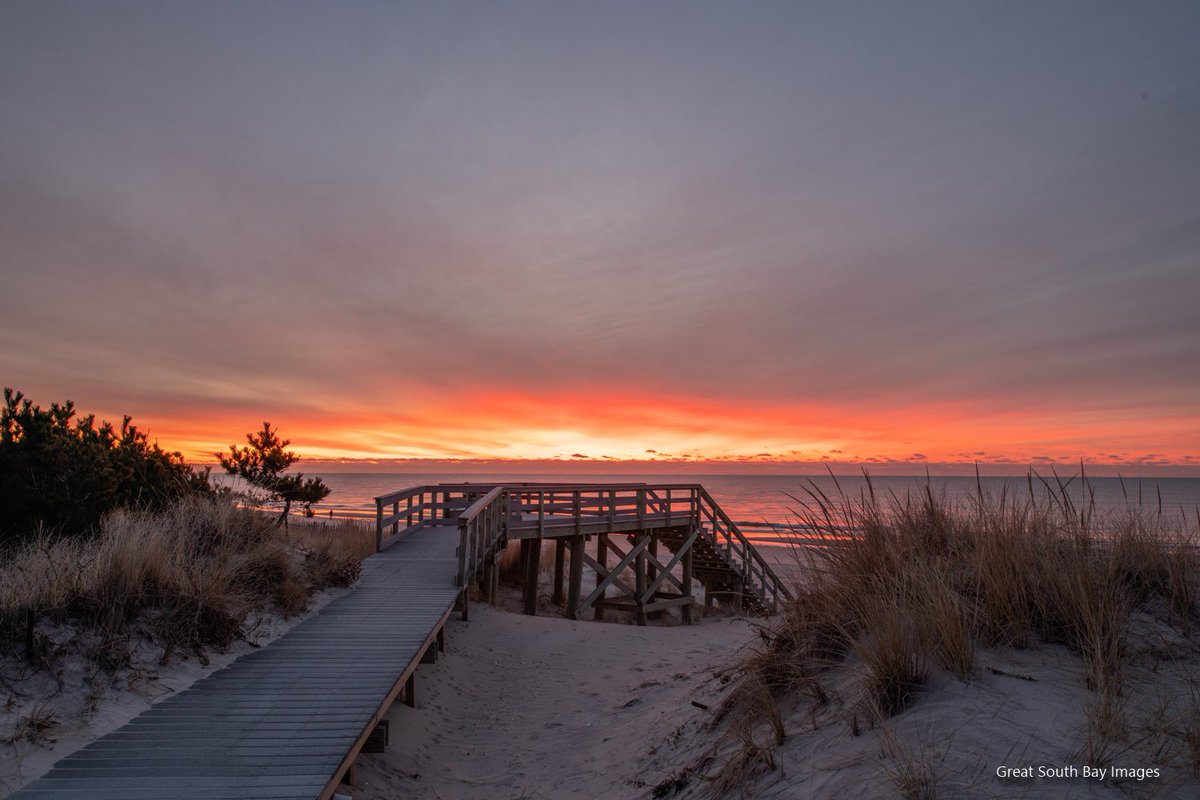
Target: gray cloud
(260, 204)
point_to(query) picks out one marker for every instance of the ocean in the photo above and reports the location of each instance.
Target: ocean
(776, 499)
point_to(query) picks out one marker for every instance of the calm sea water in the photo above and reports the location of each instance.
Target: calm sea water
(775, 498)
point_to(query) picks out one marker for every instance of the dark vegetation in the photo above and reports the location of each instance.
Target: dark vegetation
(109, 536)
(62, 472)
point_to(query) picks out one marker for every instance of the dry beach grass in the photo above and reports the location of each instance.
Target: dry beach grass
(902, 594)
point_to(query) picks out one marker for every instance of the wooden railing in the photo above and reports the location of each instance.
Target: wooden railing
(602, 507)
(480, 531)
(741, 553)
(402, 512)
(596, 507)
(487, 513)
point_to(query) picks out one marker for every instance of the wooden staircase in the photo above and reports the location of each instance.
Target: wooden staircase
(716, 571)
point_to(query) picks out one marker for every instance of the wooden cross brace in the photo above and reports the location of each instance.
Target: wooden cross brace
(610, 577)
(664, 573)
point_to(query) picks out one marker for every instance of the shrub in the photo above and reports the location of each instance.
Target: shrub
(63, 472)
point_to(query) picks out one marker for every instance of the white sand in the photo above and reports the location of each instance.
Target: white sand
(538, 707)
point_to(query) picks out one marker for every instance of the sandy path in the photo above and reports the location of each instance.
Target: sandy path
(538, 707)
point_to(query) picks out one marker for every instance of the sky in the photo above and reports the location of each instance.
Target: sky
(763, 235)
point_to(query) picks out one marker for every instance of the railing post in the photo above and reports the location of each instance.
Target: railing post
(639, 576)
(378, 525)
(463, 534)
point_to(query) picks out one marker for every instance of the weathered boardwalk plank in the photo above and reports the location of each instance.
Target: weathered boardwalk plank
(278, 723)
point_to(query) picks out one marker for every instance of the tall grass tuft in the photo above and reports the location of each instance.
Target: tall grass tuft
(189, 574)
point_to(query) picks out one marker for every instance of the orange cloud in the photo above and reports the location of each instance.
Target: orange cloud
(615, 424)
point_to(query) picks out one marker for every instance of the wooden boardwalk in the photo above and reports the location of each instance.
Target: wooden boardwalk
(282, 722)
(286, 722)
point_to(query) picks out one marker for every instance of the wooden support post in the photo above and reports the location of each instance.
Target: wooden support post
(523, 558)
(349, 777)
(441, 639)
(651, 572)
(494, 586)
(410, 691)
(560, 550)
(533, 554)
(377, 741)
(602, 560)
(465, 605)
(686, 611)
(430, 655)
(576, 584)
(489, 566)
(640, 584)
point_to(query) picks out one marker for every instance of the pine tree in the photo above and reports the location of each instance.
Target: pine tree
(263, 463)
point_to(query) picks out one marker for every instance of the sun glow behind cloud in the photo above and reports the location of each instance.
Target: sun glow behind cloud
(629, 431)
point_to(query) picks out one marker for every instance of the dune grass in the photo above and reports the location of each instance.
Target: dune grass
(899, 586)
(187, 576)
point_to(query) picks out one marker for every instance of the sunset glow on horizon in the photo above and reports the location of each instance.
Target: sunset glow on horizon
(772, 237)
(633, 433)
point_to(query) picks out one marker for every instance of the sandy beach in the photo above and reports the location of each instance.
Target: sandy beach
(540, 707)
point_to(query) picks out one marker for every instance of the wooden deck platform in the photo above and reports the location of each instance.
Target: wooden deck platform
(282, 722)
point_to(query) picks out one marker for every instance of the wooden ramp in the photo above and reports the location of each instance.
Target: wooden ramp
(286, 720)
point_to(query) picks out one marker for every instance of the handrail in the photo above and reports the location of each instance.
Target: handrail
(434, 505)
(480, 529)
(771, 584)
